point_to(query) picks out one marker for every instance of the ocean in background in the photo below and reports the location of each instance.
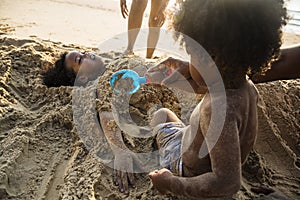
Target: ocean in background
(293, 7)
(293, 25)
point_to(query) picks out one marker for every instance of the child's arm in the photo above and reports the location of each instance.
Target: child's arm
(179, 78)
(225, 177)
(124, 159)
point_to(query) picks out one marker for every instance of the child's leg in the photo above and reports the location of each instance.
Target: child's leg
(163, 115)
(168, 132)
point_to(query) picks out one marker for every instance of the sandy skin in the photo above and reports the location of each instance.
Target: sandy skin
(217, 174)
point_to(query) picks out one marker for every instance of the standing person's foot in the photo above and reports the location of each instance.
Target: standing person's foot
(128, 52)
(149, 53)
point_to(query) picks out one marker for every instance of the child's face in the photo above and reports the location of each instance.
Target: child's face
(195, 62)
(202, 67)
(85, 65)
(86, 61)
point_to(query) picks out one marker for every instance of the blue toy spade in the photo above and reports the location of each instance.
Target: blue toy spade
(126, 73)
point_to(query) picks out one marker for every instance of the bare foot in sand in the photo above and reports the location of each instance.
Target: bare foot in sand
(128, 52)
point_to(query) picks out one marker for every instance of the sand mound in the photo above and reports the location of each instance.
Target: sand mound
(43, 155)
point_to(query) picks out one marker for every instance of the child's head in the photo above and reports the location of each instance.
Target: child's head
(59, 75)
(82, 66)
(240, 35)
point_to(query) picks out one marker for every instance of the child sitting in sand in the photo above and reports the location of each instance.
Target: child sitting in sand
(241, 36)
(242, 47)
(62, 74)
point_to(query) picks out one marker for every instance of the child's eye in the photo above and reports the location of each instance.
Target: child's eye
(92, 56)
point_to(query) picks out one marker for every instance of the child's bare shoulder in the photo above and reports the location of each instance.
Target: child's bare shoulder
(247, 92)
(241, 101)
(236, 100)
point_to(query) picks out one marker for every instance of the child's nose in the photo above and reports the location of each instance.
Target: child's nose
(85, 55)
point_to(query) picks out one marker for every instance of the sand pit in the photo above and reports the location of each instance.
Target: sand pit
(43, 156)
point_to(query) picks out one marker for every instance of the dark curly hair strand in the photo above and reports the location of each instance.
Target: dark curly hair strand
(60, 75)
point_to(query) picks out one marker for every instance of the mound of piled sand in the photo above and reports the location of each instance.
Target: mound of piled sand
(43, 154)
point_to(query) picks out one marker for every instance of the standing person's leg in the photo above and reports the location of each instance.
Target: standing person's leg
(156, 20)
(134, 22)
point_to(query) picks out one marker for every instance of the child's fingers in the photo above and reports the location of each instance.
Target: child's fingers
(167, 64)
(158, 67)
(131, 179)
(171, 78)
(124, 9)
(124, 183)
(115, 178)
(119, 180)
(125, 12)
(151, 174)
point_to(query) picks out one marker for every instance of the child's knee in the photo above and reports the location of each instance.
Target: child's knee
(160, 117)
(156, 20)
(162, 112)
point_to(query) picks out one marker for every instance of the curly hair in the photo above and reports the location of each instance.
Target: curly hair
(242, 36)
(59, 75)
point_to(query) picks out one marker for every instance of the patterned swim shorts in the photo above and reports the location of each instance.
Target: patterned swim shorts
(168, 138)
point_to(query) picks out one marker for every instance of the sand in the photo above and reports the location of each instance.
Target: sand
(43, 154)
(43, 157)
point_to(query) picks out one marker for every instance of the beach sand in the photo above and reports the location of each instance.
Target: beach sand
(42, 151)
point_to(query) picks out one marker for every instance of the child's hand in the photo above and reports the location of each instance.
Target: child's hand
(174, 70)
(124, 166)
(161, 180)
